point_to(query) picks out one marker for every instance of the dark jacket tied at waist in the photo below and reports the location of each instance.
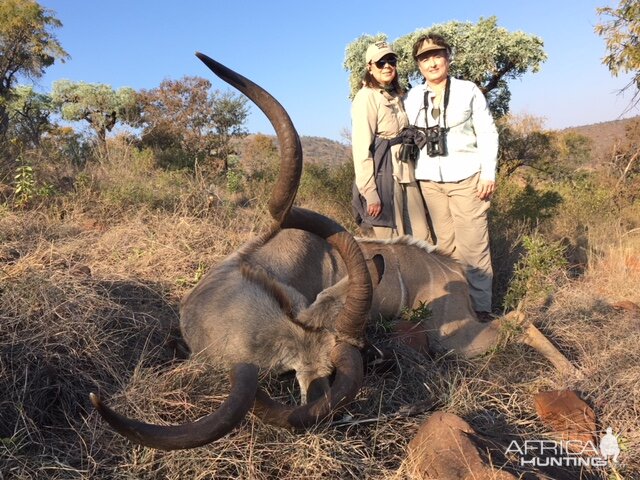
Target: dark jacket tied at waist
(384, 185)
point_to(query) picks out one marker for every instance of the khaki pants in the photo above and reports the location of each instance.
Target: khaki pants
(409, 213)
(459, 221)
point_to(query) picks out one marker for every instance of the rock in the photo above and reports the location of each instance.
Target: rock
(447, 448)
(626, 305)
(567, 415)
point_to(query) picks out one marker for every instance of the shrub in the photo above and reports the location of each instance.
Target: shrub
(537, 272)
(27, 187)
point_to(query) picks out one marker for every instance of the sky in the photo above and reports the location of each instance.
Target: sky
(295, 50)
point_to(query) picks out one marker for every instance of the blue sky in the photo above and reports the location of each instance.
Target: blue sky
(295, 50)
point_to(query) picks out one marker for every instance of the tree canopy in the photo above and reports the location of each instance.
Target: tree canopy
(96, 103)
(483, 53)
(29, 115)
(184, 115)
(27, 46)
(621, 32)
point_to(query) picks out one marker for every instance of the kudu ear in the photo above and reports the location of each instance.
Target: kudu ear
(376, 266)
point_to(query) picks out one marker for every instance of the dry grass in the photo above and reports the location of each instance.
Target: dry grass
(89, 302)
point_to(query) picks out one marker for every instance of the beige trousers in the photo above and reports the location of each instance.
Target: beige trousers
(409, 213)
(459, 220)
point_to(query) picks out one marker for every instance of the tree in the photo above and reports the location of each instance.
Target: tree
(229, 114)
(29, 114)
(27, 46)
(524, 143)
(96, 103)
(260, 155)
(625, 162)
(622, 37)
(484, 53)
(183, 118)
(574, 149)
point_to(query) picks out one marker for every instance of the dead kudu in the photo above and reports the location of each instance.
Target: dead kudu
(412, 274)
(240, 316)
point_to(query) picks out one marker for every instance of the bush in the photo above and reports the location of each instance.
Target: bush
(537, 273)
(128, 177)
(325, 186)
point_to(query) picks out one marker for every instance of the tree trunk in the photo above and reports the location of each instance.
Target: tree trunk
(4, 121)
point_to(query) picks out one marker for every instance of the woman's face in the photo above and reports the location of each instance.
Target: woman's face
(434, 66)
(384, 70)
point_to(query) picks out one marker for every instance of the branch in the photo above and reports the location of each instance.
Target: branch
(493, 82)
(633, 158)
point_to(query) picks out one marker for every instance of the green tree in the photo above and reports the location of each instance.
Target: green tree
(484, 53)
(27, 46)
(183, 119)
(622, 36)
(29, 114)
(574, 149)
(98, 104)
(229, 114)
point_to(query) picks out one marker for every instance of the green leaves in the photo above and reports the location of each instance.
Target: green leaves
(622, 36)
(96, 103)
(27, 46)
(538, 272)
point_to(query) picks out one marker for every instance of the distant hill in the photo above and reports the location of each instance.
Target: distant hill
(317, 150)
(604, 135)
(324, 151)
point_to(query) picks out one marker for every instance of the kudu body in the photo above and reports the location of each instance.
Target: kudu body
(412, 274)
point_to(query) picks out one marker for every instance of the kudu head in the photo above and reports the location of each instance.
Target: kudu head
(349, 324)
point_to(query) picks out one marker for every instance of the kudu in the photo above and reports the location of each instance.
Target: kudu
(412, 273)
(241, 316)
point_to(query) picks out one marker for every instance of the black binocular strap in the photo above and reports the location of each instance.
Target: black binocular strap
(447, 90)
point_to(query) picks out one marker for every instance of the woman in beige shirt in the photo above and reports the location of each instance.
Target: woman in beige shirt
(386, 195)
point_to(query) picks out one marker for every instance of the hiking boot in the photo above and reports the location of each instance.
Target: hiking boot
(485, 317)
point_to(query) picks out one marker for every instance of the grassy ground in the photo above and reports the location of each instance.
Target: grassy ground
(89, 288)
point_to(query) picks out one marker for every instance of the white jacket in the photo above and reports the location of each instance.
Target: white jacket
(472, 138)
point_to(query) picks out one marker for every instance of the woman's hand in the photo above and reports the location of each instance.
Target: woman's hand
(486, 189)
(374, 209)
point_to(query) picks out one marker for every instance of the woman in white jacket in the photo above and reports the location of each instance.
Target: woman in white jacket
(456, 168)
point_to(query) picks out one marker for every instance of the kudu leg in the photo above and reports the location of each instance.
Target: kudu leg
(539, 342)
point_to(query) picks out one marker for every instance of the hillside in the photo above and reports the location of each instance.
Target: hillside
(317, 150)
(604, 135)
(325, 151)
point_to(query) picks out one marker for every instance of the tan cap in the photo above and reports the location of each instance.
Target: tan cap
(378, 50)
(428, 46)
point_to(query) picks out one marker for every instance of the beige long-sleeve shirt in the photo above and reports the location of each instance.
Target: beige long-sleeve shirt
(376, 112)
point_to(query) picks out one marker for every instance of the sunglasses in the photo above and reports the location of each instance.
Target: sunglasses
(392, 62)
